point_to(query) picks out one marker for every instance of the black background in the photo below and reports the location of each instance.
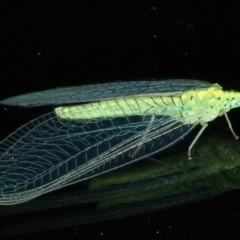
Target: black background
(49, 44)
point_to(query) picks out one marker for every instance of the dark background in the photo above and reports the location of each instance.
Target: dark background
(49, 44)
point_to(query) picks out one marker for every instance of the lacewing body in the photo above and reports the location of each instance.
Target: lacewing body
(98, 128)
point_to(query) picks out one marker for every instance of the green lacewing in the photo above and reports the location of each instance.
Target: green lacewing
(97, 128)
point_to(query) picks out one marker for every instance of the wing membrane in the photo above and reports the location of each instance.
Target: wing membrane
(105, 91)
(49, 153)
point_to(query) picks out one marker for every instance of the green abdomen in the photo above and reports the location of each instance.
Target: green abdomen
(121, 107)
(188, 107)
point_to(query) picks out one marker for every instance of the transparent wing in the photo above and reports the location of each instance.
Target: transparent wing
(169, 182)
(49, 153)
(105, 91)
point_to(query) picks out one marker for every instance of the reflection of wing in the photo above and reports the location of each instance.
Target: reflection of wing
(49, 153)
(105, 91)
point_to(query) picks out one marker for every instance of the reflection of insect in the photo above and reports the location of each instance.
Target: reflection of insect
(124, 122)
